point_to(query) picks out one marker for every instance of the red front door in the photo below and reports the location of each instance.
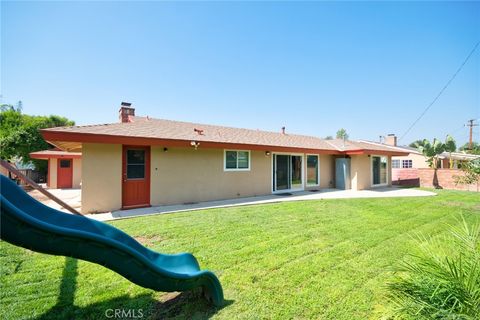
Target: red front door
(136, 177)
(64, 173)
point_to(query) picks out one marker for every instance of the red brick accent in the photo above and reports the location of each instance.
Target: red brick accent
(445, 178)
(405, 177)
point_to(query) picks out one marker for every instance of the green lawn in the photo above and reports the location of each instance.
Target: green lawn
(326, 259)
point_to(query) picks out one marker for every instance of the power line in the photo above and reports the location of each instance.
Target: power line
(441, 91)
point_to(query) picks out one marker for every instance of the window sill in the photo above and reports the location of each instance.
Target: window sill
(233, 170)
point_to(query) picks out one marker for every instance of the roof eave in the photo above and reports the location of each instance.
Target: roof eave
(376, 152)
(53, 137)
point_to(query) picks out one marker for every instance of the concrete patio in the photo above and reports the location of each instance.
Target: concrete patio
(72, 197)
(386, 192)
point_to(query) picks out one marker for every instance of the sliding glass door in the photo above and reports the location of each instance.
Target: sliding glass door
(296, 173)
(287, 172)
(282, 171)
(379, 171)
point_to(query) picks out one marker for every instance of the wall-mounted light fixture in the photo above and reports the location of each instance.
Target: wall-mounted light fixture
(165, 149)
(267, 153)
(194, 144)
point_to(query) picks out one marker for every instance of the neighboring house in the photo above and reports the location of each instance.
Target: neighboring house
(404, 168)
(142, 161)
(64, 168)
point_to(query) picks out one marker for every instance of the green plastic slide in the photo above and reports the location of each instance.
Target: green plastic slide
(27, 223)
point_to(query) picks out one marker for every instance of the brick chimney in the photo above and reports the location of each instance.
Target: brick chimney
(125, 112)
(391, 140)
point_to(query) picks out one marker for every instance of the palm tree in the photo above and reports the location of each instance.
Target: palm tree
(450, 146)
(431, 152)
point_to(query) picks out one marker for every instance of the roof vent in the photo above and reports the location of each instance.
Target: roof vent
(283, 130)
(199, 131)
(126, 112)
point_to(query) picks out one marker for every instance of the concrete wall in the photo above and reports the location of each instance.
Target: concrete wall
(101, 177)
(445, 179)
(405, 177)
(187, 175)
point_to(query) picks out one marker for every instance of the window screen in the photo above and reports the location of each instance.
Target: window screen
(237, 160)
(135, 164)
(312, 170)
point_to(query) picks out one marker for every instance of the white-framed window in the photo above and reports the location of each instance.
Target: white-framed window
(395, 164)
(313, 170)
(407, 164)
(236, 160)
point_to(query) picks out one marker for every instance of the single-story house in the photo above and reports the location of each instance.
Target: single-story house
(64, 168)
(142, 161)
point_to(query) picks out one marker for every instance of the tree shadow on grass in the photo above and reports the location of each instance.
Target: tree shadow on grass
(185, 305)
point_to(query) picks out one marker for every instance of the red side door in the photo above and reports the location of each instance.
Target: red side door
(64, 173)
(136, 177)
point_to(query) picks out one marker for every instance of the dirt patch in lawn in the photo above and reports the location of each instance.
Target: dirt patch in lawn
(454, 204)
(189, 304)
(149, 240)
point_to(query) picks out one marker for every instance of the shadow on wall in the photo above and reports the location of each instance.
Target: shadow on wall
(190, 304)
(407, 182)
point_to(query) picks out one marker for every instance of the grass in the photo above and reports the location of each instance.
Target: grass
(326, 259)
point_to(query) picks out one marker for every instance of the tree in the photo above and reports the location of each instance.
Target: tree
(20, 135)
(431, 151)
(416, 143)
(328, 138)
(475, 148)
(450, 146)
(342, 134)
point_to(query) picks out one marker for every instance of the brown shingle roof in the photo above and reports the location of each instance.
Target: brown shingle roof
(142, 127)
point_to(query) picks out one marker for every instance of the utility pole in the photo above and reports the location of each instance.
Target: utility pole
(471, 124)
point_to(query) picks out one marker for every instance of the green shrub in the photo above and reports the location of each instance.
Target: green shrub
(443, 280)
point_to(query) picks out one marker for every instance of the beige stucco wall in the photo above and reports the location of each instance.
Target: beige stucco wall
(187, 175)
(101, 177)
(77, 173)
(418, 160)
(52, 173)
(327, 171)
(183, 175)
(360, 172)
